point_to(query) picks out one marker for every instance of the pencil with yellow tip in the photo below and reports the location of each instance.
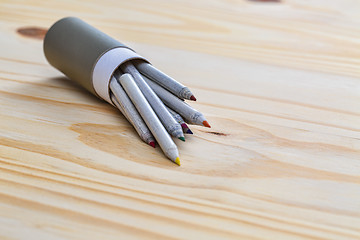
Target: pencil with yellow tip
(157, 129)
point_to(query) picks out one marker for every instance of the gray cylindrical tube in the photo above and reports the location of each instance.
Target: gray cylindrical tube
(85, 54)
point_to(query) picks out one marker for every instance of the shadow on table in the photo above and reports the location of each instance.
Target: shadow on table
(64, 82)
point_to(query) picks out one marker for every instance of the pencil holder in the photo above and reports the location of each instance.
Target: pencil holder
(85, 54)
(116, 73)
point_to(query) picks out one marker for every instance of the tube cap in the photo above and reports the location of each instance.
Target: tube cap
(85, 54)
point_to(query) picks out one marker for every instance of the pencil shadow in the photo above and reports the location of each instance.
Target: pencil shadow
(65, 82)
(90, 99)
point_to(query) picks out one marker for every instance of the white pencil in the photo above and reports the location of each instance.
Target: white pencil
(127, 108)
(164, 80)
(161, 135)
(191, 115)
(171, 125)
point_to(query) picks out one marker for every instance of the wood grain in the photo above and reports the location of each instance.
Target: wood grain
(278, 82)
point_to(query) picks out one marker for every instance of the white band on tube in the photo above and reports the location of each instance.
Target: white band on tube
(105, 67)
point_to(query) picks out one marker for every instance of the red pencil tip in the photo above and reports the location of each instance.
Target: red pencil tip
(193, 98)
(152, 143)
(206, 124)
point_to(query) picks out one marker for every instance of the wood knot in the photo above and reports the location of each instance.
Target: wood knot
(218, 133)
(32, 32)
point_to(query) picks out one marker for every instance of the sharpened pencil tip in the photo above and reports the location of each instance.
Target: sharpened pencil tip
(189, 131)
(152, 143)
(177, 161)
(206, 124)
(182, 139)
(193, 98)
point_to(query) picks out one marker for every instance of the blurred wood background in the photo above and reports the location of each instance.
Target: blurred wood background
(277, 80)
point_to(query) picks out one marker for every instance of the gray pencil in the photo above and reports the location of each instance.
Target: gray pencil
(165, 117)
(180, 120)
(127, 108)
(191, 115)
(152, 121)
(164, 80)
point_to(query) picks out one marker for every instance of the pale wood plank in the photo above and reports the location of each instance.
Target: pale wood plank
(279, 83)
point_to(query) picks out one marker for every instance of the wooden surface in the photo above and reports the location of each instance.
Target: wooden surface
(278, 82)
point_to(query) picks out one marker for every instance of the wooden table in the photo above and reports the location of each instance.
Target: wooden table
(278, 82)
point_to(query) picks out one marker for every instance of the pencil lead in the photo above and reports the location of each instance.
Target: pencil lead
(152, 143)
(193, 98)
(177, 161)
(182, 139)
(189, 131)
(206, 124)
